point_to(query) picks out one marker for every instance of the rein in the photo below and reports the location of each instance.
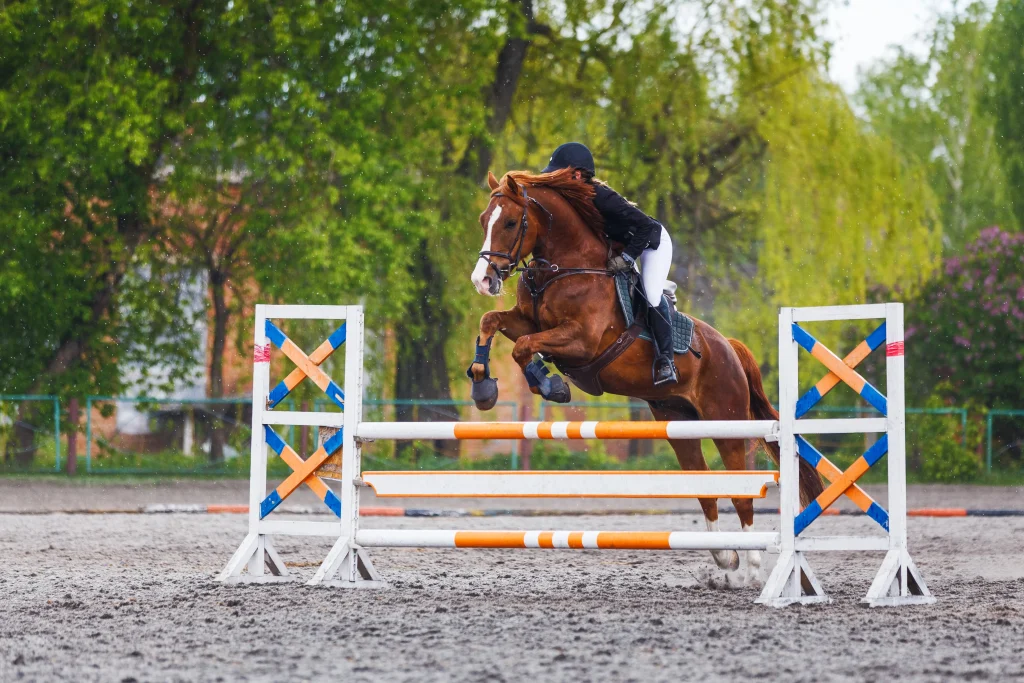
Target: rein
(530, 271)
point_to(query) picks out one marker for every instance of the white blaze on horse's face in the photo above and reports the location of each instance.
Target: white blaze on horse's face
(482, 275)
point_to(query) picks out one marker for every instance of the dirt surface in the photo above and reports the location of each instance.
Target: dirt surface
(120, 597)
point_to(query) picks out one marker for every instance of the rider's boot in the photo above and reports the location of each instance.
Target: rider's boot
(661, 329)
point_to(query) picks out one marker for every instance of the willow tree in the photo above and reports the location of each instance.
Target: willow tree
(842, 212)
(930, 108)
(1004, 62)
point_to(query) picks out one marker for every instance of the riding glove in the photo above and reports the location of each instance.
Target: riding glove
(621, 263)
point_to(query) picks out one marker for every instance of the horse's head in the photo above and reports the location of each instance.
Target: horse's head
(509, 235)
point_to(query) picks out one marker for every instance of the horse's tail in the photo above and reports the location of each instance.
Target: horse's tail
(761, 409)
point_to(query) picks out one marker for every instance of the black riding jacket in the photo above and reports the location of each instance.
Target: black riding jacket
(626, 223)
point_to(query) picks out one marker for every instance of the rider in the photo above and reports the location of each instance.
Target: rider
(646, 240)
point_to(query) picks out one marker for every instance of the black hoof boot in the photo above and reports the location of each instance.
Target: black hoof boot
(665, 371)
(559, 392)
(485, 393)
(551, 387)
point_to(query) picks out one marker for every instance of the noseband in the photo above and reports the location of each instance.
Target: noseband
(514, 255)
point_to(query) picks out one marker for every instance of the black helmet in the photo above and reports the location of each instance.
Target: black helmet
(571, 154)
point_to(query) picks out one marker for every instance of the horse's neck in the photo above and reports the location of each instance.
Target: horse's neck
(568, 242)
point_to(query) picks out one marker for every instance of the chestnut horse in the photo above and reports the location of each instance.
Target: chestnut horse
(551, 217)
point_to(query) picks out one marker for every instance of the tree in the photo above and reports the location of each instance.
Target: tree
(929, 108)
(433, 311)
(92, 96)
(257, 142)
(1002, 96)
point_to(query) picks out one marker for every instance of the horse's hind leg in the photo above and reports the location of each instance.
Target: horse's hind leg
(690, 457)
(733, 452)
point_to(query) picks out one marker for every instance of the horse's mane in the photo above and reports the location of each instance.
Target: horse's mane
(578, 193)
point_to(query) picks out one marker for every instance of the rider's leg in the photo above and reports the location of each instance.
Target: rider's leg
(654, 267)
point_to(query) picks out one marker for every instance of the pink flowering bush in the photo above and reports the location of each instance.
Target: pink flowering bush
(967, 326)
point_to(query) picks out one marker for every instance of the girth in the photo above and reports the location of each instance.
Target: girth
(587, 377)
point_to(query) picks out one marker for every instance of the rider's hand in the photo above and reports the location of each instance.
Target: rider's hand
(621, 263)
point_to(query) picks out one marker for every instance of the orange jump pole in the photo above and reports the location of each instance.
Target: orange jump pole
(580, 540)
(709, 429)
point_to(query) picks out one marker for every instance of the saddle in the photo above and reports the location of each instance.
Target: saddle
(587, 377)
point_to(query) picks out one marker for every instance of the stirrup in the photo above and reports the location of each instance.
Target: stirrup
(673, 378)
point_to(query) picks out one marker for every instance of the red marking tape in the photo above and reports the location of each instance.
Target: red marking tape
(261, 354)
(894, 349)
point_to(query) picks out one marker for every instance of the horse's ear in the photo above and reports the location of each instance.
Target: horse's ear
(513, 186)
(492, 181)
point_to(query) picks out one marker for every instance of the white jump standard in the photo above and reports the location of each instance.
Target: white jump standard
(792, 581)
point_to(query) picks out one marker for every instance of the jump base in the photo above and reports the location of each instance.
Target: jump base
(348, 565)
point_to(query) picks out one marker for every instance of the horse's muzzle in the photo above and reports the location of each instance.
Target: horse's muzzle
(493, 285)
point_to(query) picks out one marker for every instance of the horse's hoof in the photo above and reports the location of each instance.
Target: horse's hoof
(559, 392)
(485, 393)
(726, 559)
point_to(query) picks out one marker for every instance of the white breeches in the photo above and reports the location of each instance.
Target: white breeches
(654, 267)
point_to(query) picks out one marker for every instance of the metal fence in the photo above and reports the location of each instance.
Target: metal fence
(149, 435)
(1004, 438)
(25, 441)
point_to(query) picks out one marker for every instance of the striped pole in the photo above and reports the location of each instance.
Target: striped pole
(580, 540)
(697, 429)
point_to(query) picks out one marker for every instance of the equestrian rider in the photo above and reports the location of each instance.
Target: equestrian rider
(646, 241)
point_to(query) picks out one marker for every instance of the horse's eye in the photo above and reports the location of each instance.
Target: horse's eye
(510, 223)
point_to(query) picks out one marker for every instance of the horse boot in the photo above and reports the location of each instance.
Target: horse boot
(484, 392)
(551, 387)
(664, 370)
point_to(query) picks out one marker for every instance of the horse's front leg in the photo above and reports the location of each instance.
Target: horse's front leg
(565, 342)
(513, 324)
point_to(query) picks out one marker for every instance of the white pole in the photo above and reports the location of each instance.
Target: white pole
(789, 474)
(258, 452)
(351, 454)
(896, 432)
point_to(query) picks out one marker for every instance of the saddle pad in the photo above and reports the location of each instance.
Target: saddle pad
(682, 325)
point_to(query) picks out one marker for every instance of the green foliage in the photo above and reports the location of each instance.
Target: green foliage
(929, 109)
(91, 96)
(1004, 63)
(970, 323)
(132, 132)
(840, 213)
(934, 442)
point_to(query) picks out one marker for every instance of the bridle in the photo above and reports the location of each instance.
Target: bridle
(514, 255)
(530, 271)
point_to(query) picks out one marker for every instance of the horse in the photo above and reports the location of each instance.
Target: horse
(567, 310)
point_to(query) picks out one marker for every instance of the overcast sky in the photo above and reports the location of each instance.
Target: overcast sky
(864, 29)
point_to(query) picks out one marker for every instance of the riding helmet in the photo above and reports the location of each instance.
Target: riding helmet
(571, 154)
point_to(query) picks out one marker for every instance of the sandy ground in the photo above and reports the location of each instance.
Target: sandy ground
(122, 597)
